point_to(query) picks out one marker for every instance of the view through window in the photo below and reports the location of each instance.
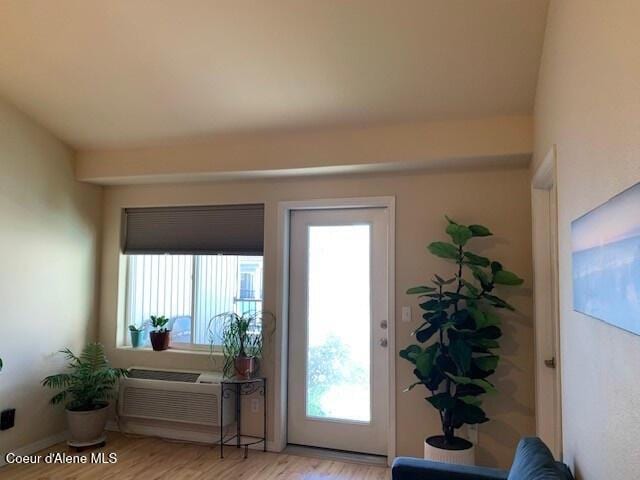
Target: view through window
(191, 290)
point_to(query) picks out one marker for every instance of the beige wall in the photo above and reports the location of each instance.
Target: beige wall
(588, 104)
(498, 198)
(505, 140)
(48, 249)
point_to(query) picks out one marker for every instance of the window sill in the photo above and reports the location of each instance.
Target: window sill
(174, 350)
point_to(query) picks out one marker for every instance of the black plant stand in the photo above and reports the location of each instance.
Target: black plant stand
(241, 387)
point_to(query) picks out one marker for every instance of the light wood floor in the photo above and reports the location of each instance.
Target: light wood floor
(150, 458)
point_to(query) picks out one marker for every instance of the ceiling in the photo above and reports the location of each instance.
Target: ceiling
(107, 74)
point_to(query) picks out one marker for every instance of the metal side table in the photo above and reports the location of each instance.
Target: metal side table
(241, 387)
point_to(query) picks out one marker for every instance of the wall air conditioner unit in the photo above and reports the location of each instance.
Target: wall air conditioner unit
(188, 400)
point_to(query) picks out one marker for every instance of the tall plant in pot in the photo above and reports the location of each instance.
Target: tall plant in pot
(86, 390)
(242, 342)
(457, 339)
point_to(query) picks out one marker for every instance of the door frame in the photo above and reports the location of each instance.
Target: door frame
(281, 353)
(544, 213)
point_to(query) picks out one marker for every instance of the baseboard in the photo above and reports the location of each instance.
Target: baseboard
(339, 455)
(175, 433)
(36, 446)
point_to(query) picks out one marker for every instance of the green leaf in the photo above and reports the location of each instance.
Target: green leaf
(426, 360)
(441, 401)
(480, 231)
(459, 379)
(461, 354)
(443, 250)
(410, 353)
(412, 386)
(481, 276)
(455, 296)
(484, 319)
(478, 382)
(453, 222)
(460, 234)
(495, 267)
(498, 302)
(478, 317)
(487, 363)
(469, 414)
(434, 305)
(484, 342)
(473, 290)
(491, 319)
(438, 280)
(470, 400)
(492, 333)
(420, 290)
(473, 259)
(503, 277)
(425, 334)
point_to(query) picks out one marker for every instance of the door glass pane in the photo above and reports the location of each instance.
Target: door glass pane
(339, 326)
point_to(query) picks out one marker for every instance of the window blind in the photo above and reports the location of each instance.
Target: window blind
(216, 229)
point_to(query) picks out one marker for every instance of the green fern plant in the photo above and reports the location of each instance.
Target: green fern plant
(90, 382)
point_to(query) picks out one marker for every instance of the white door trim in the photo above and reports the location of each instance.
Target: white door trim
(282, 307)
(546, 283)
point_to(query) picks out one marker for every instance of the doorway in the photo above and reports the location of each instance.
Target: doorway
(546, 309)
(338, 356)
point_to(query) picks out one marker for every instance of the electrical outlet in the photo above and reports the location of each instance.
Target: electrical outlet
(406, 314)
(255, 405)
(7, 419)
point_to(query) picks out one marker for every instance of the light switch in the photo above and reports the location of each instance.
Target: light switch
(406, 314)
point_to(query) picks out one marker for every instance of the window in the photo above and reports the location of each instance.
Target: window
(191, 290)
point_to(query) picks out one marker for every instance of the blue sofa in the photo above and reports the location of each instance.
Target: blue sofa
(533, 461)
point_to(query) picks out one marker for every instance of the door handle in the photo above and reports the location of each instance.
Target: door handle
(550, 362)
(383, 342)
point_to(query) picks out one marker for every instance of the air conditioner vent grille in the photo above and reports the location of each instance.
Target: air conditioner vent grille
(186, 377)
(191, 407)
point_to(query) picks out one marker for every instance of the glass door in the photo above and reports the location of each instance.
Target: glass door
(337, 354)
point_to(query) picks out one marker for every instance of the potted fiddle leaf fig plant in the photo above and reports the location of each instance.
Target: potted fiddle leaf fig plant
(161, 334)
(457, 339)
(86, 388)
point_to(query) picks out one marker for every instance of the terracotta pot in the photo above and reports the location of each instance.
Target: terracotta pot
(87, 428)
(245, 366)
(160, 340)
(461, 451)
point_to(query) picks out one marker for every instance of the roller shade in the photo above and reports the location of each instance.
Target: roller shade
(218, 229)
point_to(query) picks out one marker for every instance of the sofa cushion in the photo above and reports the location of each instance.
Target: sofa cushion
(417, 469)
(534, 461)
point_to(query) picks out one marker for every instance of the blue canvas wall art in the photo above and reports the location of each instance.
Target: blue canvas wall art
(606, 261)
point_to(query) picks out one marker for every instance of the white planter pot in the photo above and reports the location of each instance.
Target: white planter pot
(462, 456)
(87, 428)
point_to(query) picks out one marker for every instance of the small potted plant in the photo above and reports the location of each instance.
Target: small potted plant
(241, 342)
(87, 389)
(161, 334)
(136, 335)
